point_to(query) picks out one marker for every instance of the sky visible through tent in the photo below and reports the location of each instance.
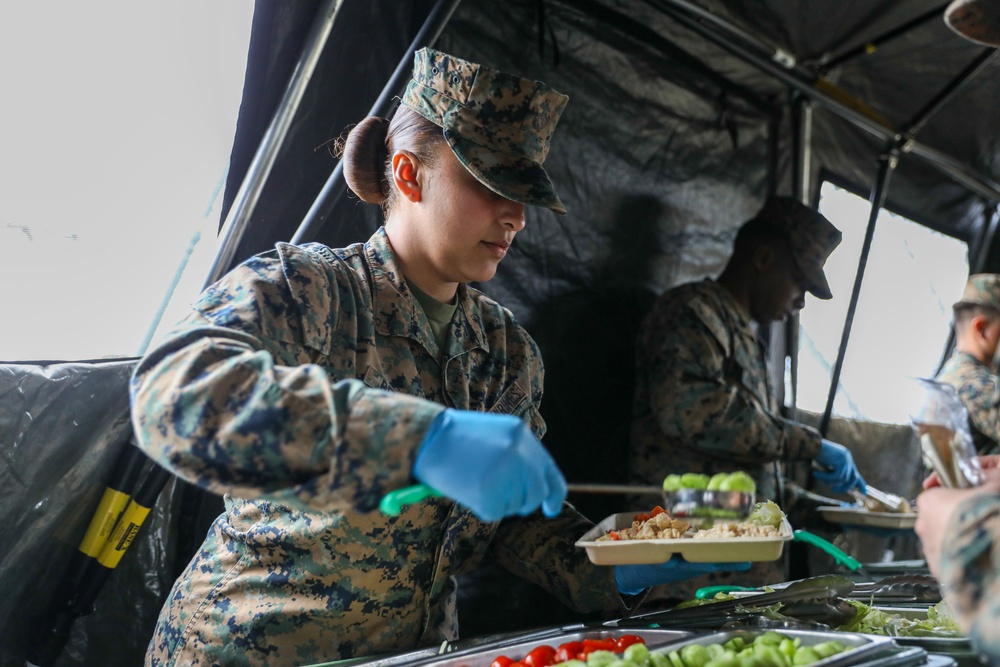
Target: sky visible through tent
(118, 121)
(902, 321)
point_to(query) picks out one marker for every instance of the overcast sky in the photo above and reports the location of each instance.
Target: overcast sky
(117, 123)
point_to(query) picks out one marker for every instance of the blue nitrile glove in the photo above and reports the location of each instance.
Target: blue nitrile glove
(492, 464)
(841, 474)
(633, 579)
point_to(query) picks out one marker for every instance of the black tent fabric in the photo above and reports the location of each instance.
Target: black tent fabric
(670, 141)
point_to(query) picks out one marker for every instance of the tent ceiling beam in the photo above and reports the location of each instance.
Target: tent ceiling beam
(828, 62)
(954, 87)
(649, 37)
(783, 67)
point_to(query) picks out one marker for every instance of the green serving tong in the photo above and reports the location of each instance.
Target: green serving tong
(839, 555)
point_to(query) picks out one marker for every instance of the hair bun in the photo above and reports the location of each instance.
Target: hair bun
(364, 159)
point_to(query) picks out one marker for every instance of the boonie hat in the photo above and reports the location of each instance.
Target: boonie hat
(811, 236)
(497, 125)
(981, 289)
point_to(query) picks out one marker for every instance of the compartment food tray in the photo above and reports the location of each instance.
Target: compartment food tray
(715, 550)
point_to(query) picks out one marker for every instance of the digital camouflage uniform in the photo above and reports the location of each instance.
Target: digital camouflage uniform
(255, 396)
(703, 400)
(296, 387)
(703, 395)
(970, 572)
(977, 383)
(978, 387)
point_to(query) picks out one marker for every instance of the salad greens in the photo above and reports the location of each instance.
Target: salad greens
(766, 513)
(939, 622)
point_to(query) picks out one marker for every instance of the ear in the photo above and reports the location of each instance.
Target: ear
(978, 325)
(405, 172)
(763, 258)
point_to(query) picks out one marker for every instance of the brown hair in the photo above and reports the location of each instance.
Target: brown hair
(370, 144)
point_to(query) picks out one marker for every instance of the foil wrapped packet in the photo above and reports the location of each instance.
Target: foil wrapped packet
(942, 424)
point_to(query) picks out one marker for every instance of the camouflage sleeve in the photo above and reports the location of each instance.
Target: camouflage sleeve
(695, 401)
(543, 551)
(970, 571)
(225, 404)
(980, 396)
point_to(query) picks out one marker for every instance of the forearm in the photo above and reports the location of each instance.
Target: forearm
(543, 551)
(970, 567)
(218, 411)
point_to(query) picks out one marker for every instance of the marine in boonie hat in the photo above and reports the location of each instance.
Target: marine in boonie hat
(811, 236)
(498, 125)
(981, 289)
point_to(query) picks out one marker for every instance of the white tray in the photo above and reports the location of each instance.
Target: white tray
(858, 516)
(718, 550)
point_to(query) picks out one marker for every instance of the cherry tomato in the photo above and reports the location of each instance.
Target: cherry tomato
(641, 517)
(568, 651)
(590, 645)
(627, 640)
(517, 663)
(656, 510)
(501, 661)
(540, 656)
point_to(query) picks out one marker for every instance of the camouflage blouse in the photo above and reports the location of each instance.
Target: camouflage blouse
(979, 388)
(703, 400)
(970, 572)
(296, 387)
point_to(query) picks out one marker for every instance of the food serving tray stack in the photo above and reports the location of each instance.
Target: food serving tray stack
(861, 649)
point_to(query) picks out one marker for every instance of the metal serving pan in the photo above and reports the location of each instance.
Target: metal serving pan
(860, 648)
(485, 654)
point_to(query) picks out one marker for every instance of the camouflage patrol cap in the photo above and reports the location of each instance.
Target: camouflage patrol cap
(981, 289)
(811, 236)
(498, 125)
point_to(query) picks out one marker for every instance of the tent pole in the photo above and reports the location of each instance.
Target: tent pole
(802, 165)
(335, 185)
(980, 252)
(887, 163)
(829, 62)
(949, 92)
(267, 152)
(782, 66)
(803, 128)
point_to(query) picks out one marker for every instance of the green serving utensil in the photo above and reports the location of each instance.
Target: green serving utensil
(392, 502)
(839, 555)
(709, 592)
